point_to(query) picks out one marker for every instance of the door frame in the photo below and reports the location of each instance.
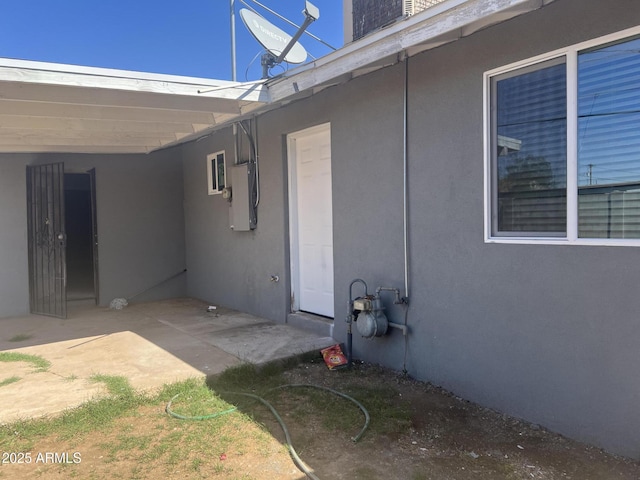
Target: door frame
(91, 176)
(94, 232)
(294, 251)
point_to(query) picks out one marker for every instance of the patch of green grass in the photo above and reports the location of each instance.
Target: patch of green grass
(21, 337)
(303, 404)
(194, 400)
(41, 364)
(9, 381)
(248, 377)
(94, 415)
(137, 473)
(196, 463)
(156, 452)
(168, 443)
(117, 386)
(206, 438)
(342, 416)
(127, 445)
(171, 443)
(388, 415)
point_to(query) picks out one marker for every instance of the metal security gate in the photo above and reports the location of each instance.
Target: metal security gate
(47, 264)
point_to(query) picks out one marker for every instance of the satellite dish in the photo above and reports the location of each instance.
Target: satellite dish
(272, 38)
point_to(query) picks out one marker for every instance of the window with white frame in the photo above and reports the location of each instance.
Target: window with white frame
(216, 172)
(563, 145)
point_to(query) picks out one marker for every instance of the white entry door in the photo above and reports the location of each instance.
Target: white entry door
(311, 220)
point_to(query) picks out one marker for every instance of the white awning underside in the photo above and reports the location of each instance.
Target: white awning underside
(63, 108)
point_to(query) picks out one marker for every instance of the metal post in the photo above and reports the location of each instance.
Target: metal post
(233, 40)
(405, 176)
(307, 21)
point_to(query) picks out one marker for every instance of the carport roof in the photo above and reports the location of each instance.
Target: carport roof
(47, 107)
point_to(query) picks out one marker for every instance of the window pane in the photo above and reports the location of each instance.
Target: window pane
(609, 141)
(530, 136)
(213, 170)
(221, 182)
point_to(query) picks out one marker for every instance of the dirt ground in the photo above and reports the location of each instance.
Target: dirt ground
(451, 439)
(423, 433)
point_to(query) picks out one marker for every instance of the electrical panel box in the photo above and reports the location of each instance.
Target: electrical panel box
(242, 210)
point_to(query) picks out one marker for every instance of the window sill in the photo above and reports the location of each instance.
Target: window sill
(591, 242)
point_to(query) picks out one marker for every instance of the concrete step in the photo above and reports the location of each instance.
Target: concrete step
(322, 326)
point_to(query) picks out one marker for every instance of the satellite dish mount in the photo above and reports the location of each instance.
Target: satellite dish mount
(273, 39)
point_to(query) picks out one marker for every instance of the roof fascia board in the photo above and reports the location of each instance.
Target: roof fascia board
(445, 22)
(86, 149)
(108, 72)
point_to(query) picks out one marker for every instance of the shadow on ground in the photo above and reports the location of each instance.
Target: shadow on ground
(150, 344)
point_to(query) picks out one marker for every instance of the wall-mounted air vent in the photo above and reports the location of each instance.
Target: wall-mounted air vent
(370, 15)
(411, 7)
(408, 7)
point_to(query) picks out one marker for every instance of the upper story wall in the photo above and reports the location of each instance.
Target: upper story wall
(362, 17)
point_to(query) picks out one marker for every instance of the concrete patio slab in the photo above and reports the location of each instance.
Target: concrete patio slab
(150, 344)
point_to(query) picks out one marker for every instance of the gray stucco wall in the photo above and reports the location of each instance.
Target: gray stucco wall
(14, 280)
(234, 268)
(140, 225)
(546, 333)
(228, 268)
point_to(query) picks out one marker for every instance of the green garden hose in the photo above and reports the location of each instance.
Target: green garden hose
(294, 455)
(367, 418)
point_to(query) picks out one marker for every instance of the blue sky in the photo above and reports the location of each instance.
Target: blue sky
(187, 37)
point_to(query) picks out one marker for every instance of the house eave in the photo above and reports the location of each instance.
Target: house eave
(431, 28)
(46, 107)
